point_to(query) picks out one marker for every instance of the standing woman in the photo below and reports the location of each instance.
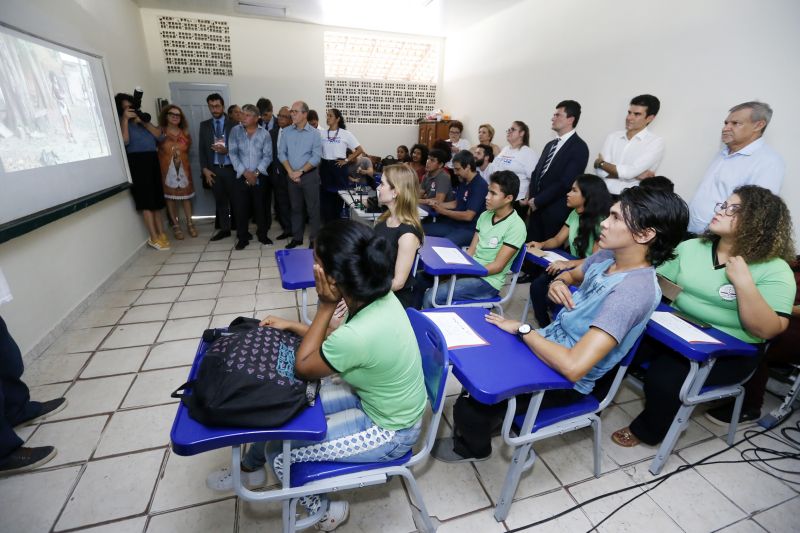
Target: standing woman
(519, 158)
(173, 155)
(419, 156)
(400, 226)
(140, 140)
(736, 278)
(590, 202)
(336, 140)
(485, 136)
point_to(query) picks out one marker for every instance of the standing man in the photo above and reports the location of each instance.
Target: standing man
(279, 178)
(300, 151)
(563, 158)
(250, 150)
(745, 160)
(267, 120)
(634, 153)
(215, 163)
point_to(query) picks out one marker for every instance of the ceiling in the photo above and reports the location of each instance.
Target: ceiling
(421, 17)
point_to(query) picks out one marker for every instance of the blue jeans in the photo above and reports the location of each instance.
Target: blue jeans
(352, 437)
(467, 288)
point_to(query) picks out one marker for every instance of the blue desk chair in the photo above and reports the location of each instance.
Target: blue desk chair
(330, 476)
(521, 431)
(495, 302)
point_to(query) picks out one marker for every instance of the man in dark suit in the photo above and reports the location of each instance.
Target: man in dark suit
(216, 166)
(279, 179)
(562, 160)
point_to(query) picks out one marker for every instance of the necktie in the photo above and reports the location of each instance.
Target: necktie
(546, 165)
(218, 159)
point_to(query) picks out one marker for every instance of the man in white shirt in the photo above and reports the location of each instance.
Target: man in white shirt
(745, 160)
(484, 155)
(634, 153)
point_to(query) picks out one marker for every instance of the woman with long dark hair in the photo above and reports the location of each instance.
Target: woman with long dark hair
(336, 141)
(176, 172)
(590, 202)
(374, 412)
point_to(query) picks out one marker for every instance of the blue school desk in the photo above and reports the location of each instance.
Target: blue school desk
(435, 266)
(296, 269)
(544, 263)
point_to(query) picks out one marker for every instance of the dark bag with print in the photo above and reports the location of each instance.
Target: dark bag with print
(246, 378)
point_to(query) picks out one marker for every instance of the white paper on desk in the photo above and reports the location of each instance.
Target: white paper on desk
(457, 333)
(547, 255)
(682, 329)
(451, 256)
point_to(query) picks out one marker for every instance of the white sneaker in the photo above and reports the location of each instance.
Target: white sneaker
(336, 516)
(222, 480)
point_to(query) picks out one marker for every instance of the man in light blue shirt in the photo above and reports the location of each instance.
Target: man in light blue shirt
(250, 150)
(300, 151)
(745, 160)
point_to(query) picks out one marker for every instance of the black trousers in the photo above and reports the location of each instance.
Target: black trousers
(304, 199)
(663, 381)
(15, 404)
(475, 421)
(280, 193)
(244, 198)
(223, 193)
(332, 178)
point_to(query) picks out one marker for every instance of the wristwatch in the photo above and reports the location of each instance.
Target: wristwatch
(523, 330)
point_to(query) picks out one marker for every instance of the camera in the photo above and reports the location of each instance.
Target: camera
(136, 105)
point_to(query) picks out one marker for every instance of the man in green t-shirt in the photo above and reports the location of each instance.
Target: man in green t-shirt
(499, 235)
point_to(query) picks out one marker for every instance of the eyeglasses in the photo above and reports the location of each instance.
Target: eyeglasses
(174, 114)
(728, 209)
(509, 130)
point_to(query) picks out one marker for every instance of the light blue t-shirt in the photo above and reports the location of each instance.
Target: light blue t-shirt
(619, 304)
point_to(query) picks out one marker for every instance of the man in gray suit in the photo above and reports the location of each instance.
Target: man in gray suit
(216, 166)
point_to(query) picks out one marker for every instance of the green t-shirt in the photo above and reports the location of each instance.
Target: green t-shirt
(492, 235)
(376, 352)
(709, 295)
(573, 222)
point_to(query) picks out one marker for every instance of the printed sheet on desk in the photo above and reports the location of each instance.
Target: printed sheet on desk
(546, 255)
(451, 256)
(457, 333)
(682, 329)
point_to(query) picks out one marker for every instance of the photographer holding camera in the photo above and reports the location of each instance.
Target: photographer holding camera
(141, 138)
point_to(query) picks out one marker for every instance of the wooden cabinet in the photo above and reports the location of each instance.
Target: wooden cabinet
(432, 131)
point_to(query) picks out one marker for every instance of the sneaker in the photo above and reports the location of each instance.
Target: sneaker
(335, 516)
(164, 241)
(155, 244)
(48, 409)
(444, 450)
(222, 480)
(23, 459)
(722, 415)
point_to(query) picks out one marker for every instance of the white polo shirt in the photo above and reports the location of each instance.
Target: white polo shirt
(631, 157)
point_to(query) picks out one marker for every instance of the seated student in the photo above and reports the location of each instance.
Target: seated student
(436, 183)
(456, 219)
(734, 277)
(400, 226)
(499, 236)
(402, 154)
(617, 293)
(419, 157)
(590, 202)
(375, 412)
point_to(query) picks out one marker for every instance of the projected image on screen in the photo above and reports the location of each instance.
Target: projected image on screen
(49, 112)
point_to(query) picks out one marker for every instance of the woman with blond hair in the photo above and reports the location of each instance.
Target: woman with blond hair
(485, 136)
(176, 173)
(400, 226)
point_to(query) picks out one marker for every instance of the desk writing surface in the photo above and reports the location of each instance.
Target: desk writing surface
(542, 262)
(190, 437)
(731, 346)
(504, 368)
(434, 265)
(296, 268)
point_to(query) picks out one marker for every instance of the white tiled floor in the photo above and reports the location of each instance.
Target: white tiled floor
(114, 472)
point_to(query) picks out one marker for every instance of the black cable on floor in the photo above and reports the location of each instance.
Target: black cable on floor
(791, 434)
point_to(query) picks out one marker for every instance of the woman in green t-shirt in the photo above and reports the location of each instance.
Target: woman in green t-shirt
(736, 278)
(590, 201)
(374, 411)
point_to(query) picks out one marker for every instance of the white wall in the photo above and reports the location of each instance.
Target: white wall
(282, 61)
(699, 58)
(53, 269)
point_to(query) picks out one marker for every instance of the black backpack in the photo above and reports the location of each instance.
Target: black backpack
(246, 378)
